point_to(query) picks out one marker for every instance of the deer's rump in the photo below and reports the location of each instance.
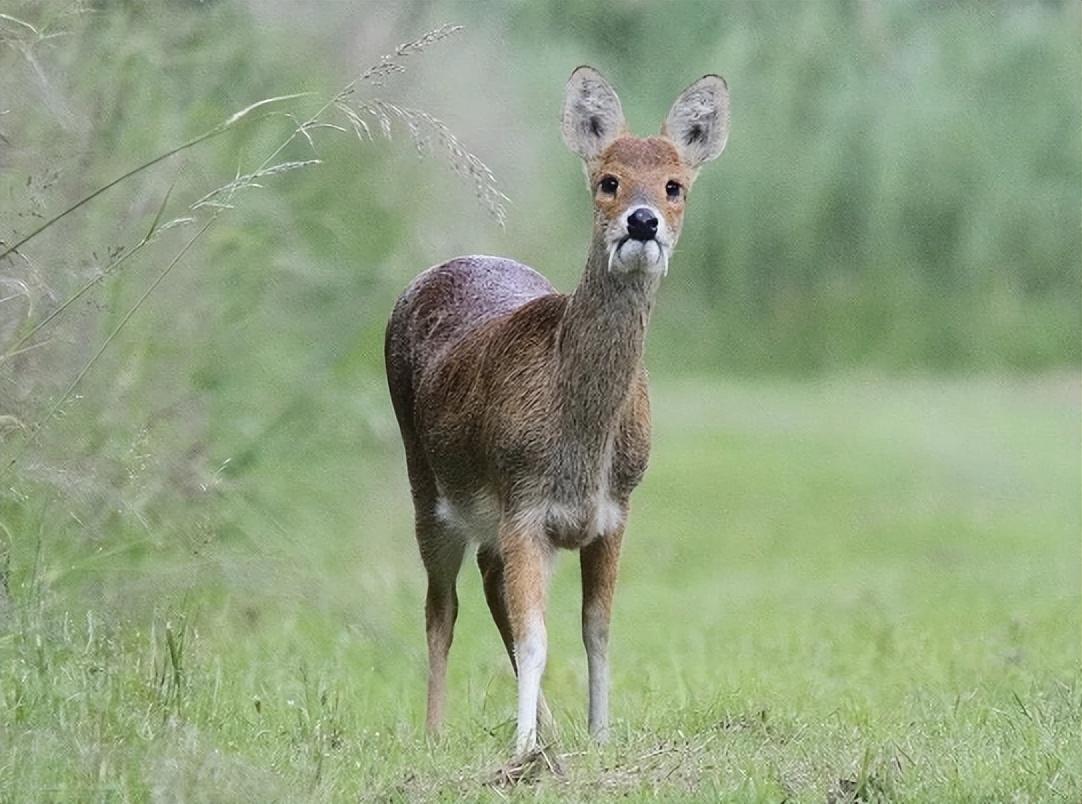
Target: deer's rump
(446, 303)
(427, 374)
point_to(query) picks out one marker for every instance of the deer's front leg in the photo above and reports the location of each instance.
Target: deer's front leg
(600, 560)
(527, 557)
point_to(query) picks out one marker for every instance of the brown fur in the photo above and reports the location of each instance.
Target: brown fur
(643, 167)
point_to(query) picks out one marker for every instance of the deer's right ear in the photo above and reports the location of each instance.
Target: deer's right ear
(698, 122)
(592, 117)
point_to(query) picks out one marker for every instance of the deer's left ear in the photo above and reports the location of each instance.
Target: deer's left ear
(698, 123)
(592, 117)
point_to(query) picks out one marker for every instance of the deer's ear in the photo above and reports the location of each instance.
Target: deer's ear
(698, 123)
(592, 117)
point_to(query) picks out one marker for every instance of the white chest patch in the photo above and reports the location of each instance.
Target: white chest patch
(608, 517)
(575, 526)
(477, 519)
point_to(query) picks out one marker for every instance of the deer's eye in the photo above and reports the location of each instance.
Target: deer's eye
(608, 185)
(672, 189)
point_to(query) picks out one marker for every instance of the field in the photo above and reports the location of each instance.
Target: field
(850, 589)
(852, 572)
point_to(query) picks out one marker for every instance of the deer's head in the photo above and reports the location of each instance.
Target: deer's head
(640, 184)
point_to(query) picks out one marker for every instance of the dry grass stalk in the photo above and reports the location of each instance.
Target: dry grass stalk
(426, 132)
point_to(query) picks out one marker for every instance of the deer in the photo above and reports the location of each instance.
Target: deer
(524, 412)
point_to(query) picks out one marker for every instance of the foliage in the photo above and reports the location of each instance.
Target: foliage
(902, 187)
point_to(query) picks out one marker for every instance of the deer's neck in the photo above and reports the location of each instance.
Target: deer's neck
(599, 349)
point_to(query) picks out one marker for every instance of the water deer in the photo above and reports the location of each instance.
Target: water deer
(524, 412)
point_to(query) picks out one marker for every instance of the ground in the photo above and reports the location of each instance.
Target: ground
(851, 589)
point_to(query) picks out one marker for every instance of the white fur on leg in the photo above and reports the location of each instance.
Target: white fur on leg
(530, 654)
(595, 636)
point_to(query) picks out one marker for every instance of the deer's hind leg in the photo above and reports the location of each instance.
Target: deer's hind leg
(441, 551)
(491, 565)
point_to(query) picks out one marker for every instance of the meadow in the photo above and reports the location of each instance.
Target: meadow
(852, 570)
(855, 589)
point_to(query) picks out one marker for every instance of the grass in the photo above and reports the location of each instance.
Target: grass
(848, 590)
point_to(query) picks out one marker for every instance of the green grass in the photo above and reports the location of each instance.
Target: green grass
(856, 589)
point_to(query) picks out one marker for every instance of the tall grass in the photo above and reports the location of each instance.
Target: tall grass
(127, 264)
(33, 352)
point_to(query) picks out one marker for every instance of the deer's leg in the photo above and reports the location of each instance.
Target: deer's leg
(527, 558)
(492, 575)
(600, 560)
(491, 566)
(441, 551)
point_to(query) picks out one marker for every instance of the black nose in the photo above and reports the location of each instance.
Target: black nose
(641, 224)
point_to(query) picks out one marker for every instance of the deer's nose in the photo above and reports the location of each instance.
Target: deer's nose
(642, 224)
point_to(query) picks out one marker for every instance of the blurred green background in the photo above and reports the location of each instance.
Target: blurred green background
(876, 294)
